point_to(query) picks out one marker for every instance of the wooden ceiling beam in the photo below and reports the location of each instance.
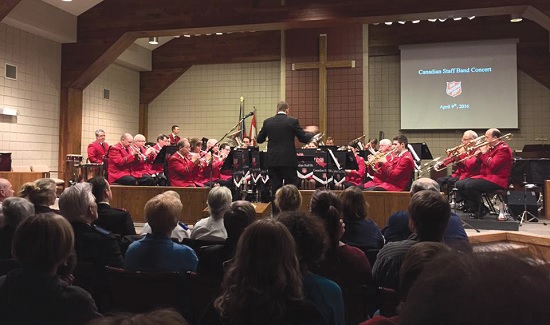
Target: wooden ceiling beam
(6, 6)
(153, 83)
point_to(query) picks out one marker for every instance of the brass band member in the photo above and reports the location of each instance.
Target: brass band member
(121, 157)
(356, 177)
(97, 150)
(212, 164)
(496, 167)
(397, 173)
(377, 160)
(174, 138)
(183, 167)
(162, 140)
(141, 167)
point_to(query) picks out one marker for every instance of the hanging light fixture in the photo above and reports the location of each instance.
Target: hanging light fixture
(515, 18)
(153, 40)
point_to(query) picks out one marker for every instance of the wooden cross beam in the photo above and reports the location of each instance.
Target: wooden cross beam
(323, 65)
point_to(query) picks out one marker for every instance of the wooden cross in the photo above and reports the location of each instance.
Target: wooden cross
(323, 65)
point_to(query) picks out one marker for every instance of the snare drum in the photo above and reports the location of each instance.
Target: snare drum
(72, 167)
(88, 171)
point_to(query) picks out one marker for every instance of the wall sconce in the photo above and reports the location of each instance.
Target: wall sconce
(153, 40)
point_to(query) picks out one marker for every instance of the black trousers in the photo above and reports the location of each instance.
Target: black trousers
(471, 188)
(278, 175)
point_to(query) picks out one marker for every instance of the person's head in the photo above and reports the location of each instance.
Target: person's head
(246, 141)
(330, 141)
(400, 143)
(42, 242)
(354, 205)
(311, 145)
(6, 189)
(325, 204)
(225, 149)
(101, 189)
(39, 192)
(309, 235)
(77, 203)
(212, 143)
(492, 135)
(139, 140)
(196, 145)
(468, 136)
(288, 198)
(100, 135)
(184, 147)
(429, 214)
(163, 140)
(385, 145)
(424, 184)
(414, 262)
(166, 316)
(264, 272)
(372, 143)
(480, 288)
(126, 140)
(282, 106)
(173, 193)
(235, 220)
(16, 209)
(175, 129)
(162, 212)
(219, 199)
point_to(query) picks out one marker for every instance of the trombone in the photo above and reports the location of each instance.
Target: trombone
(472, 150)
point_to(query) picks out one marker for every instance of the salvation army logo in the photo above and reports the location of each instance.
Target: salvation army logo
(454, 88)
(320, 161)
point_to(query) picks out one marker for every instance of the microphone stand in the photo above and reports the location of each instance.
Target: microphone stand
(526, 215)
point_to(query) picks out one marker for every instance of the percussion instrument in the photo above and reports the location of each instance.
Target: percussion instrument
(72, 168)
(88, 171)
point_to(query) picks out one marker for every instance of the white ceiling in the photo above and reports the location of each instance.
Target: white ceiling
(75, 7)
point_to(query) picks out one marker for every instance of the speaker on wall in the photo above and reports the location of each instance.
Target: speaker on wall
(517, 200)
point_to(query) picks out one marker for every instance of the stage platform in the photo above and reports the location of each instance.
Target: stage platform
(488, 222)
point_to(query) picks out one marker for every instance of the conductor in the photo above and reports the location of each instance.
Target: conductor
(281, 152)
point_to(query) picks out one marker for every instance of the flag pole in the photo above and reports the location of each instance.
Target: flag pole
(241, 115)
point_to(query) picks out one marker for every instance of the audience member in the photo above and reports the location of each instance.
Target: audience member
(166, 316)
(179, 232)
(41, 193)
(397, 227)
(263, 284)
(16, 209)
(235, 220)
(346, 265)
(482, 288)
(288, 198)
(361, 231)
(156, 251)
(429, 214)
(6, 191)
(115, 220)
(34, 294)
(311, 242)
(211, 228)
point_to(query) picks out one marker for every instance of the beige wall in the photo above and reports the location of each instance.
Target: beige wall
(116, 115)
(33, 135)
(204, 102)
(534, 109)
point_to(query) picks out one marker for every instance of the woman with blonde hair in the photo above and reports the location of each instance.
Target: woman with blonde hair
(263, 284)
(41, 193)
(288, 198)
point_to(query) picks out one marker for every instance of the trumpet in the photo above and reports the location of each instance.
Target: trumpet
(377, 157)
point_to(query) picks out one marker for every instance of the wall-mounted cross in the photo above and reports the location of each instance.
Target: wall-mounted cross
(323, 65)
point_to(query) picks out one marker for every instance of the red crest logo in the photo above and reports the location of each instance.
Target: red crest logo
(454, 88)
(321, 162)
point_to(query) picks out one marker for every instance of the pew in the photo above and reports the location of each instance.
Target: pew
(133, 199)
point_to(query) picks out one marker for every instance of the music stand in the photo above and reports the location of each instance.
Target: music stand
(526, 215)
(163, 156)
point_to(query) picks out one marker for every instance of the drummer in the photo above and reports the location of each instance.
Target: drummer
(97, 150)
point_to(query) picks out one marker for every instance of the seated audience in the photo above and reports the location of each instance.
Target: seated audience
(263, 284)
(41, 193)
(16, 209)
(115, 220)
(482, 288)
(211, 228)
(346, 265)
(157, 252)
(6, 191)
(361, 231)
(166, 316)
(179, 232)
(311, 242)
(35, 294)
(288, 198)
(235, 220)
(429, 214)
(397, 227)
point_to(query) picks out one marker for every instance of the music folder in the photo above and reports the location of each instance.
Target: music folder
(164, 154)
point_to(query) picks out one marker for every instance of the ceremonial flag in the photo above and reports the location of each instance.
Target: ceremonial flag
(253, 131)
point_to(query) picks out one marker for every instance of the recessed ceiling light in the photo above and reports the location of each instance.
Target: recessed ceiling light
(515, 18)
(67, 0)
(153, 40)
(416, 21)
(457, 18)
(388, 23)
(219, 33)
(432, 20)
(402, 22)
(471, 17)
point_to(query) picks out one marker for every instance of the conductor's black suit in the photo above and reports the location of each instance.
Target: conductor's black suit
(281, 153)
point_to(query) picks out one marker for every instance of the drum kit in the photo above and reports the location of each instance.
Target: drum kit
(76, 171)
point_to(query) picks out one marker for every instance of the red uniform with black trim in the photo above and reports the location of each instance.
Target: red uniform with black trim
(395, 174)
(142, 164)
(183, 172)
(467, 168)
(97, 151)
(204, 173)
(496, 165)
(120, 161)
(357, 177)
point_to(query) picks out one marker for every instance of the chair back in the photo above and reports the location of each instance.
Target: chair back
(139, 292)
(6, 265)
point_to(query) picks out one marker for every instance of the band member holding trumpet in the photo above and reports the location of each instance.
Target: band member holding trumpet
(212, 164)
(141, 166)
(356, 177)
(121, 157)
(394, 174)
(97, 150)
(465, 166)
(162, 140)
(183, 167)
(495, 157)
(281, 130)
(376, 160)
